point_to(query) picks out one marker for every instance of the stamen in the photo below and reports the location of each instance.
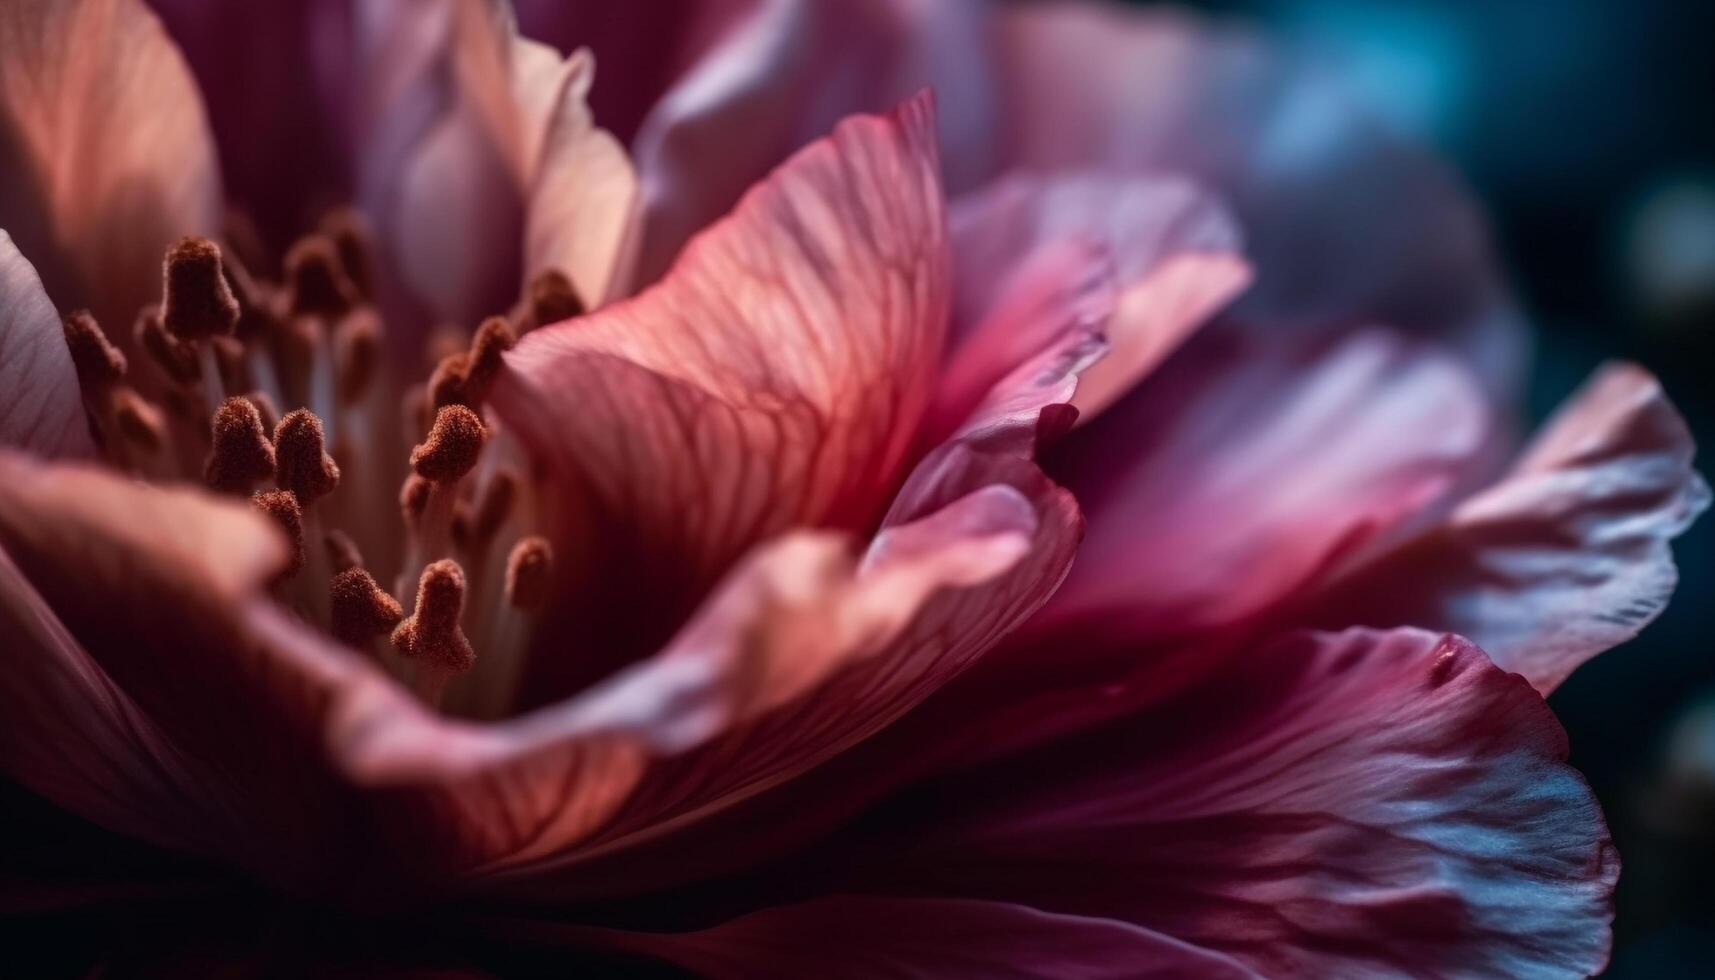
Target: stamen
(354, 245)
(176, 358)
(265, 408)
(140, 423)
(551, 298)
(414, 499)
(357, 353)
(431, 637)
(530, 573)
(256, 317)
(99, 364)
(242, 454)
(282, 508)
(445, 339)
(474, 528)
(301, 462)
(360, 611)
(314, 280)
(300, 342)
(493, 338)
(447, 383)
(453, 446)
(342, 552)
(229, 355)
(197, 303)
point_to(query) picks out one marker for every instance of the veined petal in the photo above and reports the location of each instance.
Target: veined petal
(861, 936)
(584, 206)
(775, 379)
(1361, 803)
(41, 409)
(101, 128)
(1565, 557)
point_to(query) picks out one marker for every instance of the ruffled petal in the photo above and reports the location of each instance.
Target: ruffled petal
(1565, 557)
(1352, 804)
(1240, 472)
(41, 409)
(775, 378)
(784, 75)
(916, 939)
(1347, 222)
(584, 206)
(105, 148)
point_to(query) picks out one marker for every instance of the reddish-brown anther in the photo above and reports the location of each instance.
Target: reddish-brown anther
(447, 383)
(175, 358)
(139, 421)
(342, 552)
(357, 353)
(530, 573)
(301, 462)
(265, 408)
(99, 364)
(414, 499)
(452, 447)
(493, 339)
(242, 454)
(432, 635)
(359, 609)
(256, 316)
(196, 301)
(282, 508)
(315, 283)
(551, 298)
(355, 247)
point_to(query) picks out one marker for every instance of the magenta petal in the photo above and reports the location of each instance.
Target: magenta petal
(862, 936)
(1352, 804)
(1567, 556)
(1235, 476)
(41, 408)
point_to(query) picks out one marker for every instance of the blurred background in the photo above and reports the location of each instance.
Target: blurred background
(1585, 126)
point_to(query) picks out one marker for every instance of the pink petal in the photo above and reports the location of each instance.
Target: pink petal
(583, 207)
(1347, 223)
(1235, 476)
(1566, 556)
(1352, 804)
(101, 129)
(775, 378)
(1174, 255)
(782, 77)
(41, 409)
(916, 939)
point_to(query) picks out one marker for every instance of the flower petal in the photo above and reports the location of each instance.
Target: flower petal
(1174, 254)
(584, 206)
(1347, 222)
(1566, 556)
(1361, 803)
(774, 379)
(101, 128)
(41, 408)
(783, 76)
(1236, 475)
(918, 939)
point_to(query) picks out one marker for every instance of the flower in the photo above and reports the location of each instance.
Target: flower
(884, 585)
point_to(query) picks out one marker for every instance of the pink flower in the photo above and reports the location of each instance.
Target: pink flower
(832, 580)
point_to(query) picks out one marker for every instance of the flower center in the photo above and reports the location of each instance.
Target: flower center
(227, 350)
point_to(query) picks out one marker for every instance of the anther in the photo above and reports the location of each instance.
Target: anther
(282, 508)
(432, 636)
(447, 382)
(360, 610)
(242, 453)
(357, 353)
(493, 338)
(99, 364)
(265, 408)
(140, 422)
(196, 301)
(301, 462)
(354, 246)
(414, 499)
(316, 283)
(551, 298)
(176, 359)
(341, 550)
(452, 447)
(255, 303)
(530, 573)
